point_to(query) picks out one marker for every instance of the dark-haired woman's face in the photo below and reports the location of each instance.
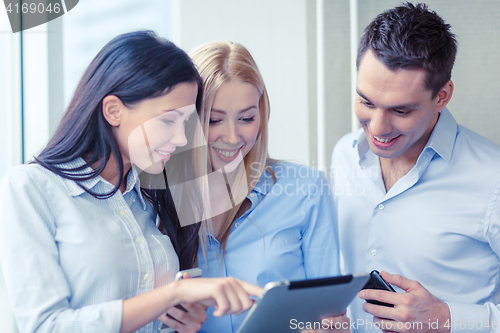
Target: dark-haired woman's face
(152, 129)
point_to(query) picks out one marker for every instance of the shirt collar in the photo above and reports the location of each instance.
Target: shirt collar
(72, 187)
(134, 182)
(100, 184)
(441, 141)
(443, 136)
(362, 144)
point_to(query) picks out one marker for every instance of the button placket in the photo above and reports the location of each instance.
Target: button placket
(145, 267)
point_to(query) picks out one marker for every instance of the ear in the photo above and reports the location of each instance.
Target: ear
(444, 96)
(112, 110)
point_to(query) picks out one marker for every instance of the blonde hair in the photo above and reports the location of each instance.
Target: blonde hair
(217, 63)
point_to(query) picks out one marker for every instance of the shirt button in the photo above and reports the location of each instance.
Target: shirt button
(215, 255)
(381, 206)
(138, 240)
(252, 195)
(374, 252)
(147, 277)
(123, 212)
(236, 225)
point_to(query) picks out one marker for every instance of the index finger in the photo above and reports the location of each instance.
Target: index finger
(251, 289)
(400, 281)
(384, 296)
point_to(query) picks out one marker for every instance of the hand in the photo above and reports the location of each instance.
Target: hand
(417, 310)
(227, 295)
(339, 324)
(185, 317)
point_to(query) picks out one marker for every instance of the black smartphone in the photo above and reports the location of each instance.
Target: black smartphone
(377, 282)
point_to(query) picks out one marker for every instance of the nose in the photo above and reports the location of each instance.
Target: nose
(179, 139)
(380, 123)
(230, 135)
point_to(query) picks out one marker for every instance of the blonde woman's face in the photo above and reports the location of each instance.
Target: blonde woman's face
(234, 122)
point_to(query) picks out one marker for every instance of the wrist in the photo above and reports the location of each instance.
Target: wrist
(444, 318)
(173, 292)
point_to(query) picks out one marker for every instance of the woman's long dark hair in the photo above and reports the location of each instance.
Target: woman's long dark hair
(133, 66)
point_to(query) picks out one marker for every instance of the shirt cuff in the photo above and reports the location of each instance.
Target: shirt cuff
(116, 315)
(475, 318)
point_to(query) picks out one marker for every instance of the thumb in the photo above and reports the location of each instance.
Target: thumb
(399, 281)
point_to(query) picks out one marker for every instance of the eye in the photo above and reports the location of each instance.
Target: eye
(248, 119)
(401, 113)
(367, 104)
(214, 121)
(168, 121)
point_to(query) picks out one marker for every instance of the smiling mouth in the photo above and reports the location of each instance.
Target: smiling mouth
(384, 140)
(227, 153)
(164, 155)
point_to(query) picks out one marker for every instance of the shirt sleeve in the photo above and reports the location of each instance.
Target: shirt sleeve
(475, 318)
(37, 286)
(486, 317)
(320, 244)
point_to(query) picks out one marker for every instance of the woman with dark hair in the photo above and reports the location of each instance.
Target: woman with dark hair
(80, 239)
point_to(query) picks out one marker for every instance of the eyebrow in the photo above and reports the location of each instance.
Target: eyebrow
(175, 110)
(409, 106)
(244, 110)
(179, 112)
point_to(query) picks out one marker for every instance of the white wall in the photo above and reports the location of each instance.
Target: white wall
(10, 132)
(10, 95)
(275, 34)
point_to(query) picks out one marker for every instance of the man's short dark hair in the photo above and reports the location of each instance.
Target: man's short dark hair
(412, 37)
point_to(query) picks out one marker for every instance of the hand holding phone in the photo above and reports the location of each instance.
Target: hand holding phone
(194, 273)
(377, 282)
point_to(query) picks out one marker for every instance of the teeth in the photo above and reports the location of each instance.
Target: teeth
(382, 140)
(227, 153)
(162, 153)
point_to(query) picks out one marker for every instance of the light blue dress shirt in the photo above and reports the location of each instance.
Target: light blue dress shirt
(439, 224)
(289, 233)
(69, 259)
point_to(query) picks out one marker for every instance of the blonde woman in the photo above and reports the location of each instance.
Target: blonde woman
(271, 220)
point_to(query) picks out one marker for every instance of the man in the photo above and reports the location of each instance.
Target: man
(417, 194)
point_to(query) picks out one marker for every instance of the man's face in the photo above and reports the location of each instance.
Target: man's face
(395, 109)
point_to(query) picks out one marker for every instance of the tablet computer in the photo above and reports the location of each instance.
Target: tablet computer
(286, 306)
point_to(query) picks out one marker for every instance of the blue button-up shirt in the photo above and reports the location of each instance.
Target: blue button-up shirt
(69, 259)
(439, 224)
(289, 233)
